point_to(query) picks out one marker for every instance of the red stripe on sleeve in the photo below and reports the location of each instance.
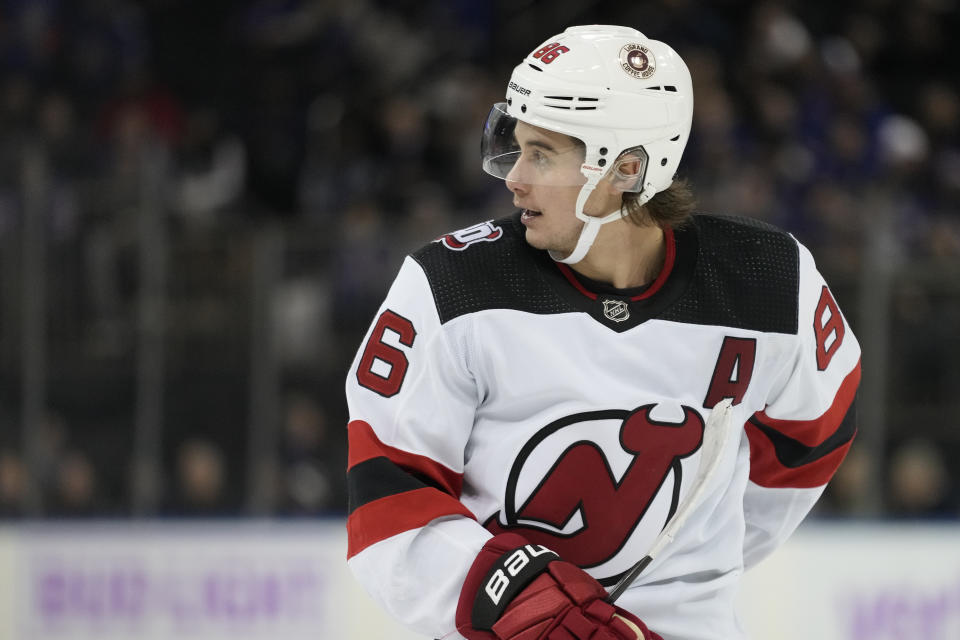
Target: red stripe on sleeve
(364, 445)
(767, 471)
(380, 519)
(813, 432)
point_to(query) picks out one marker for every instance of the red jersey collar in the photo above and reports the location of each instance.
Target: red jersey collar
(668, 262)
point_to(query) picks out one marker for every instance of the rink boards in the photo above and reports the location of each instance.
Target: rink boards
(260, 580)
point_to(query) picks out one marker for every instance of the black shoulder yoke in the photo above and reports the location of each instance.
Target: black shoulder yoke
(747, 276)
(728, 271)
(500, 273)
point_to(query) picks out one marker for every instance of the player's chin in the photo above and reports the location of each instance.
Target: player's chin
(542, 242)
(536, 238)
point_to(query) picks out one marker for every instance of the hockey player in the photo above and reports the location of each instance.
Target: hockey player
(527, 411)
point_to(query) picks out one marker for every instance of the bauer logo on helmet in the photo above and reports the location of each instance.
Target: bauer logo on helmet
(638, 61)
(521, 90)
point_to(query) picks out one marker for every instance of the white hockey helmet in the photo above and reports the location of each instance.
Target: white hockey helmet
(616, 91)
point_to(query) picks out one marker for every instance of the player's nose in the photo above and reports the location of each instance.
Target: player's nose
(515, 182)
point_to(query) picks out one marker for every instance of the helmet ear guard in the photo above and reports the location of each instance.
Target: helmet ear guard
(630, 169)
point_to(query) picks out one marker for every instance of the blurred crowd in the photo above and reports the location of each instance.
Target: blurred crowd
(349, 131)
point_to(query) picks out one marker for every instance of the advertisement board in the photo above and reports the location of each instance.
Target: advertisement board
(252, 581)
(867, 581)
(157, 581)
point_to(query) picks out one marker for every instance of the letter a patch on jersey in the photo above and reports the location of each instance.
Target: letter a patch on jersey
(733, 371)
(460, 240)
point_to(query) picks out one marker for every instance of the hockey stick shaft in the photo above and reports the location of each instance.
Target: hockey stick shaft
(716, 433)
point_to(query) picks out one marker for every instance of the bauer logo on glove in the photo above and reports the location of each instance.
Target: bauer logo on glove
(506, 579)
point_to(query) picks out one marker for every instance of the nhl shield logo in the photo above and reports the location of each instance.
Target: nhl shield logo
(616, 310)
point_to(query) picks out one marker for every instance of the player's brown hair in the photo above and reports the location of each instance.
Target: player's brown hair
(668, 208)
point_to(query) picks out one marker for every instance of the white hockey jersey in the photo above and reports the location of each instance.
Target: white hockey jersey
(498, 391)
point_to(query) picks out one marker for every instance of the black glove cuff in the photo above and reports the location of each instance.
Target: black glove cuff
(513, 571)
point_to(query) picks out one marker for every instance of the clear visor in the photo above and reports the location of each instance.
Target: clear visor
(514, 150)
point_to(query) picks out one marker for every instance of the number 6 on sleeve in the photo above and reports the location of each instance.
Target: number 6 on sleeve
(378, 350)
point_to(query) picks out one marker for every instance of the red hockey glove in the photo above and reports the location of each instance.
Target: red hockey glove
(521, 591)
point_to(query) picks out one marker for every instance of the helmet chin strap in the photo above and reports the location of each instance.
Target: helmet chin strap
(591, 225)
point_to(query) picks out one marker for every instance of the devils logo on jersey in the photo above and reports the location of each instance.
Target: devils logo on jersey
(594, 484)
(460, 240)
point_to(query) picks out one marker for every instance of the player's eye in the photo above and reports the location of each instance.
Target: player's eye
(539, 159)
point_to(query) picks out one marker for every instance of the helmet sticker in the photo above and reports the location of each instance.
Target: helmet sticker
(550, 52)
(638, 61)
